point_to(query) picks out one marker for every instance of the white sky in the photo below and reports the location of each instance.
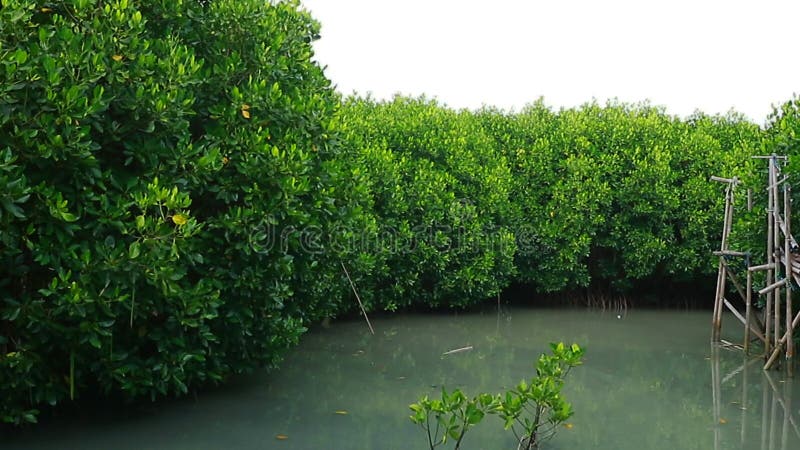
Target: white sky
(710, 55)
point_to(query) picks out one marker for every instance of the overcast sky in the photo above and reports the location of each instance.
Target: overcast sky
(683, 54)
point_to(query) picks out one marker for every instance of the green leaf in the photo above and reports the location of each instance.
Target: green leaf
(21, 56)
(13, 209)
(133, 250)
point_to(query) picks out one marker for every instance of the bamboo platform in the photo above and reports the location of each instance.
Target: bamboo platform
(782, 272)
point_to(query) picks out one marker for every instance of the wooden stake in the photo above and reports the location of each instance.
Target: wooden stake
(363, 311)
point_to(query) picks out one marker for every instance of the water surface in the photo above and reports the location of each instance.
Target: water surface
(650, 381)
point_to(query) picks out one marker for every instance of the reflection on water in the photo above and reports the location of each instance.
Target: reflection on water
(650, 381)
(771, 411)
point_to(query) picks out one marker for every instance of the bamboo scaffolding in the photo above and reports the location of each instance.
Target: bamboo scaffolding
(781, 267)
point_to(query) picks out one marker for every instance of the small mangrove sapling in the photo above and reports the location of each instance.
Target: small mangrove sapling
(533, 410)
(453, 415)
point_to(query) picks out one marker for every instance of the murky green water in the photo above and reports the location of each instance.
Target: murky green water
(647, 383)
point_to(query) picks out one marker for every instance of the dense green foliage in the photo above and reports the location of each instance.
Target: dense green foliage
(180, 187)
(610, 198)
(150, 150)
(441, 193)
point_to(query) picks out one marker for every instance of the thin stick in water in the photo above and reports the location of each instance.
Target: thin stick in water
(458, 350)
(363, 311)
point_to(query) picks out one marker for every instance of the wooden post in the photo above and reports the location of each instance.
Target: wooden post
(787, 218)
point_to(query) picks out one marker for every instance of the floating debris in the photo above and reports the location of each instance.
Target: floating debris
(458, 350)
(281, 437)
(341, 412)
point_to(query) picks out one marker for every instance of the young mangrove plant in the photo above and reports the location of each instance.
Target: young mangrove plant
(451, 416)
(532, 410)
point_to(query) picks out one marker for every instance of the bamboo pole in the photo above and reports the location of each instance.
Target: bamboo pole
(735, 281)
(779, 182)
(720, 281)
(787, 214)
(729, 253)
(748, 305)
(772, 156)
(777, 248)
(722, 180)
(774, 286)
(721, 278)
(738, 315)
(761, 267)
(770, 261)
